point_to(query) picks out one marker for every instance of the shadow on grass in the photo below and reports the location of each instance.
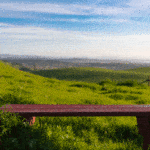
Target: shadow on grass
(20, 136)
(13, 99)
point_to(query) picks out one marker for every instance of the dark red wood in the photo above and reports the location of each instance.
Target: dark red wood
(79, 110)
(148, 82)
(142, 112)
(144, 129)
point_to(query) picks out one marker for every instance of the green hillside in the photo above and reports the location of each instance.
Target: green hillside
(140, 70)
(61, 133)
(93, 74)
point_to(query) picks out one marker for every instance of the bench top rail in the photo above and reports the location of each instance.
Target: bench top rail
(78, 110)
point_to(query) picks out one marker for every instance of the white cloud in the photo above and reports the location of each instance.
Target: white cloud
(106, 20)
(89, 20)
(75, 9)
(140, 4)
(46, 8)
(111, 10)
(60, 19)
(61, 43)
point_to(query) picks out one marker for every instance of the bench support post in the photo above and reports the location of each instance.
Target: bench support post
(30, 119)
(0, 131)
(143, 124)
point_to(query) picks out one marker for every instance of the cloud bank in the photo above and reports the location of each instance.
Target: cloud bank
(82, 28)
(78, 9)
(61, 43)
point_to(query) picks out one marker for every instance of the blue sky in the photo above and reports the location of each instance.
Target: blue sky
(78, 28)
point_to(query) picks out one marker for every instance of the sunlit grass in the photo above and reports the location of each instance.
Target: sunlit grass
(118, 133)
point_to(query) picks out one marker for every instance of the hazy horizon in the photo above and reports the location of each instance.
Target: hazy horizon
(81, 29)
(141, 61)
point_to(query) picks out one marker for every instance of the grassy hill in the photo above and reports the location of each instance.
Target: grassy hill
(140, 70)
(95, 75)
(43, 87)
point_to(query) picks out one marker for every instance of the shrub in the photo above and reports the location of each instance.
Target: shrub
(128, 83)
(116, 96)
(107, 81)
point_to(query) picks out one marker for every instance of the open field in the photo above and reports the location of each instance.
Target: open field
(72, 86)
(95, 75)
(140, 70)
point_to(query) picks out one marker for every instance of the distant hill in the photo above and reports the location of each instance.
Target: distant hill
(43, 63)
(88, 74)
(140, 69)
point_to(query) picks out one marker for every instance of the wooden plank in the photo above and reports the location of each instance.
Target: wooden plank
(79, 110)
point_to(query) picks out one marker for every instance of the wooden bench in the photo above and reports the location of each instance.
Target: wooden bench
(142, 113)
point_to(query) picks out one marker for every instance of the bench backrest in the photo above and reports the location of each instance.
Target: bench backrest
(78, 110)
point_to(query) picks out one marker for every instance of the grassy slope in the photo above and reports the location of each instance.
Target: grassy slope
(92, 74)
(23, 87)
(141, 70)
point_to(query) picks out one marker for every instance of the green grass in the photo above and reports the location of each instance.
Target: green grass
(140, 70)
(84, 86)
(92, 74)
